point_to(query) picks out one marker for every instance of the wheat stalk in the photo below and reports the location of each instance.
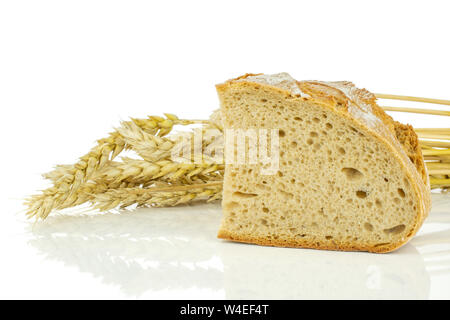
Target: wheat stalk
(153, 125)
(417, 110)
(435, 142)
(68, 179)
(134, 173)
(411, 98)
(415, 99)
(429, 143)
(141, 171)
(158, 196)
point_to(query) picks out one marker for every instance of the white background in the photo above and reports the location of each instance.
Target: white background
(71, 70)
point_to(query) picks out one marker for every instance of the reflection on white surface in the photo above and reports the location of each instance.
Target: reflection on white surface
(176, 248)
(308, 274)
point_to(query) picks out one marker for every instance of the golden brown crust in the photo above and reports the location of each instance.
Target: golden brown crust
(408, 138)
(358, 105)
(296, 243)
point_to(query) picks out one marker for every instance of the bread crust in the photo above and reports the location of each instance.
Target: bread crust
(295, 243)
(360, 107)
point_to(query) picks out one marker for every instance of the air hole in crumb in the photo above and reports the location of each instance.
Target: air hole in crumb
(286, 195)
(281, 133)
(266, 210)
(341, 150)
(310, 141)
(368, 226)
(401, 192)
(316, 120)
(395, 230)
(406, 181)
(361, 194)
(298, 119)
(244, 195)
(378, 203)
(263, 100)
(263, 222)
(329, 126)
(280, 174)
(396, 200)
(386, 179)
(231, 205)
(293, 144)
(261, 187)
(352, 174)
(328, 237)
(313, 134)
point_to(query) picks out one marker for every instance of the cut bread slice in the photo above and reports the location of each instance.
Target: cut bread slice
(349, 176)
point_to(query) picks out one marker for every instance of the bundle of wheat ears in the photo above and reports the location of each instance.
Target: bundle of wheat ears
(156, 180)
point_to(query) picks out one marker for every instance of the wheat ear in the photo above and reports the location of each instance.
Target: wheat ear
(153, 125)
(142, 172)
(68, 179)
(158, 196)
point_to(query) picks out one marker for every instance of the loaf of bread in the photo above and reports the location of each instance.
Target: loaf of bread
(349, 177)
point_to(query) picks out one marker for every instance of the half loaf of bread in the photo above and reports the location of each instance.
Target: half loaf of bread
(349, 177)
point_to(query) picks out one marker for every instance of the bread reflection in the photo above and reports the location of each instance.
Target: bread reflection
(176, 248)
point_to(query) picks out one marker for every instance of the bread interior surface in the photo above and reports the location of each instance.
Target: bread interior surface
(337, 186)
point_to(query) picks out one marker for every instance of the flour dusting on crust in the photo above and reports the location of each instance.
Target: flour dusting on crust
(281, 80)
(360, 109)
